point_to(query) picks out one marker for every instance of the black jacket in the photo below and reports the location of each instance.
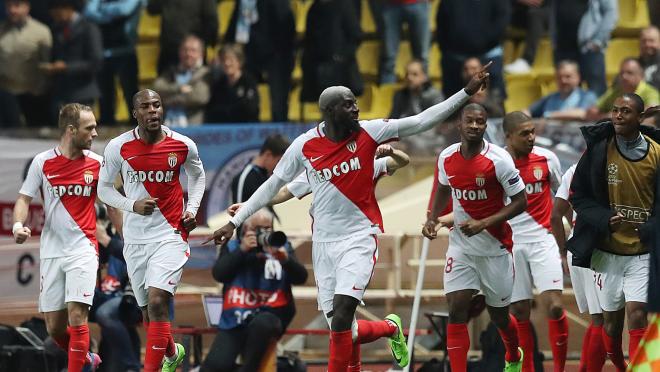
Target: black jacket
(590, 199)
(238, 103)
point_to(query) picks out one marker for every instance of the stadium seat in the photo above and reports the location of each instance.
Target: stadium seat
(311, 112)
(300, 9)
(149, 27)
(435, 73)
(367, 22)
(511, 52)
(543, 61)
(264, 103)
(366, 102)
(147, 54)
(296, 75)
(225, 10)
(633, 15)
(617, 50)
(294, 104)
(121, 111)
(522, 91)
(383, 102)
(402, 58)
(368, 55)
(432, 14)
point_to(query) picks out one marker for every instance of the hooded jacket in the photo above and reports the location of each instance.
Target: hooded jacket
(590, 198)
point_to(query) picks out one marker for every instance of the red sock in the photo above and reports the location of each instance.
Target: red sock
(370, 331)
(158, 335)
(62, 341)
(510, 338)
(341, 350)
(635, 337)
(78, 347)
(526, 344)
(584, 355)
(614, 351)
(355, 364)
(558, 332)
(596, 355)
(458, 345)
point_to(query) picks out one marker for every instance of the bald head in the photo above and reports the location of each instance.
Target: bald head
(142, 95)
(333, 95)
(513, 119)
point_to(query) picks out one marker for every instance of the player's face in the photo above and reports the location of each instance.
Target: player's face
(523, 138)
(149, 112)
(625, 117)
(346, 112)
(17, 11)
(86, 131)
(472, 125)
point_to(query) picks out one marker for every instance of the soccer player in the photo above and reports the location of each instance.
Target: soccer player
(535, 252)
(478, 176)
(66, 178)
(149, 159)
(613, 193)
(582, 279)
(338, 157)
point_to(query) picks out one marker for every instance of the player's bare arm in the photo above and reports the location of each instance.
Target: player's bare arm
(396, 158)
(439, 203)
(21, 208)
(561, 209)
(438, 113)
(518, 204)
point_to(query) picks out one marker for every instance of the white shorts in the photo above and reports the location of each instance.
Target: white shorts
(493, 275)
(537, 265)
(67, 279)
(584, 287)
(158, 265)
(620, 279)
(343, 267)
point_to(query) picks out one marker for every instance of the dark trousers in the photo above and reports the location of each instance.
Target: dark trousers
(277, 71)
(534, 20)
(10, 112)
(32, 108)
(250, 341)
(125, 68)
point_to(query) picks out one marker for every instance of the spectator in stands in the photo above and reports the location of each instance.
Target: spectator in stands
(581, 32)
(25, 44)
(113, 309)
(259, 169)
(332, 37)
(234, 94)
(267, 30)
(77, 56)
(415, 14)
(570, 101)
(10, 114)
(178, 20)
(649, 46)
(260, 274)
(489, 99)
(532, 16)
(185, 89)
(654, 12)
(471, 28)
(629, 80)
(118, 22)
(651, 116)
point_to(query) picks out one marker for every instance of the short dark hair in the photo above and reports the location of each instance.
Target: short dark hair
(276, 144)
(652, 113)
(513, 119)
(235, 49)
(70, 115)
(473, 107)
(638, 102)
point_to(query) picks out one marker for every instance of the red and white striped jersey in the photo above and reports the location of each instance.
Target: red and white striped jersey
(480, 187)
(541, 173)
(341, 178)
(300, 187)
(68, 190)
(152, 170)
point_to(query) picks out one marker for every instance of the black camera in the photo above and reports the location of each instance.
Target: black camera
(270, 238)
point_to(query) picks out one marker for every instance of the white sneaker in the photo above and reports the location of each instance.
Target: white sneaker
(519, 66)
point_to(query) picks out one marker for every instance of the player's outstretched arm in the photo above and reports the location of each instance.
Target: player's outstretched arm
(283, 195)
(438, 113)
(258, 200)
(440, 200)
(21, 208)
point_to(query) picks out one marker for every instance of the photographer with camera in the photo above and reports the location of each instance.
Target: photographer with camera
(257, 271)
(115, 308)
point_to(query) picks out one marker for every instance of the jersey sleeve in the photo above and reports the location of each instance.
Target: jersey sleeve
(554, 168)
(34, 179)
(380, 167)
(508, 176)
(300, 186)
(291, 164)
(193, 164)
(111, 164)
(563, 191)
(381, 130)
(196, 178)
(442, 175)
